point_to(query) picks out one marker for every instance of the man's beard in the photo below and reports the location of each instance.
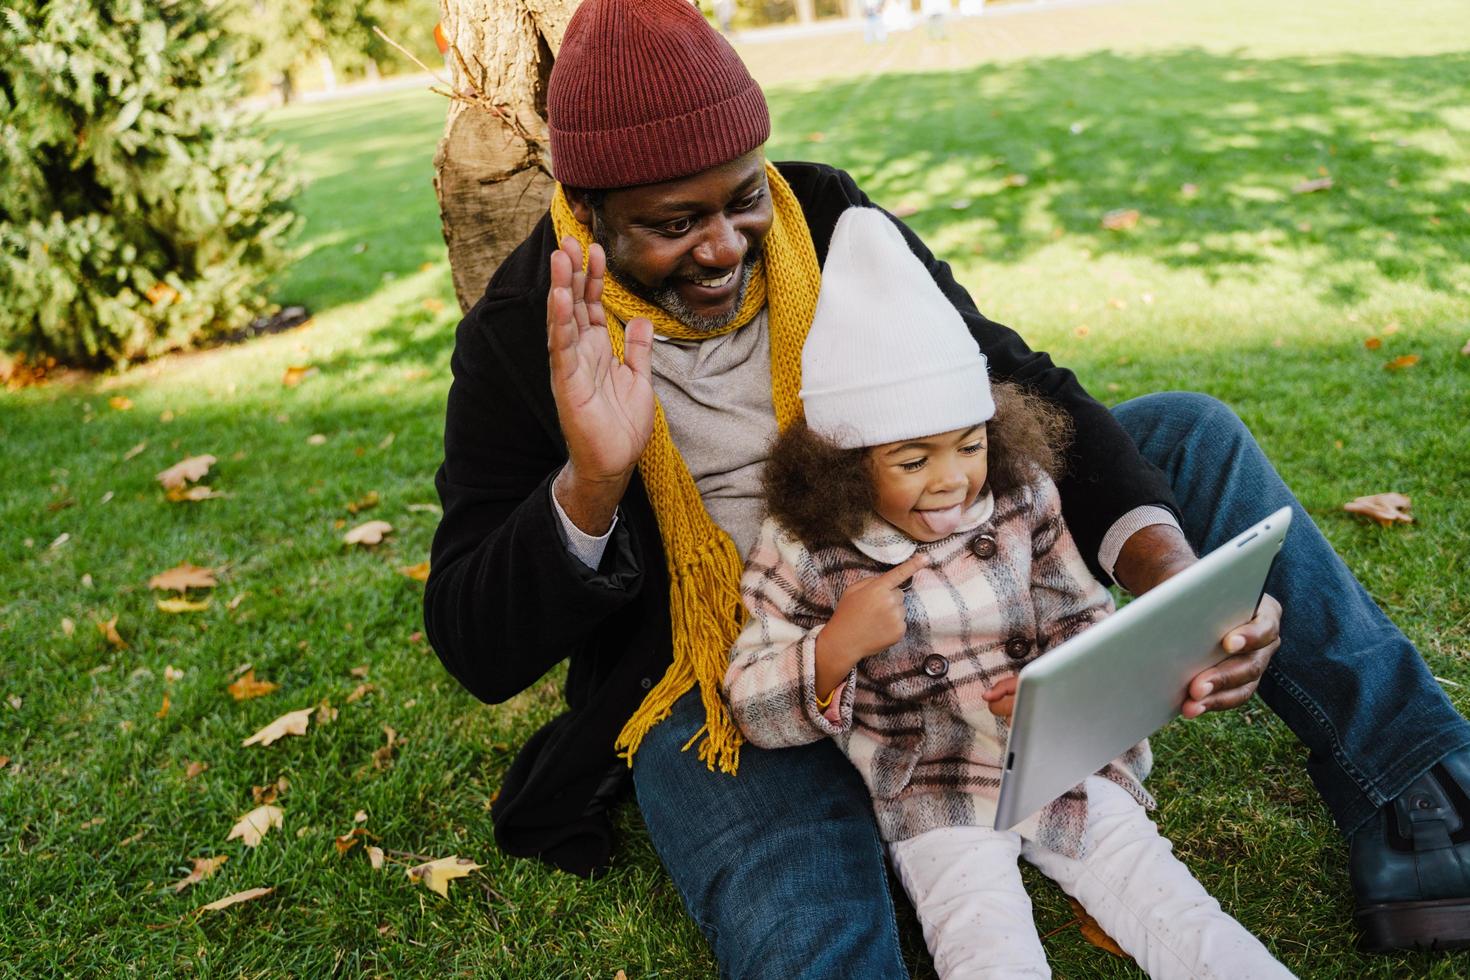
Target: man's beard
(665, 295)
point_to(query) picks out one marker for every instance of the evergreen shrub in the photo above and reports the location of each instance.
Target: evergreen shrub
(140, 209)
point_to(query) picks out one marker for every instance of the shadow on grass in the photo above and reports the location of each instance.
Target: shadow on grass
(1106, 131)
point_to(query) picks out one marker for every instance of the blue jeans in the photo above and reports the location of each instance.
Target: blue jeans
(1345, 680)
(782, 868)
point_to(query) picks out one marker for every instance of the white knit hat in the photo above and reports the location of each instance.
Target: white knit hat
(888, 356)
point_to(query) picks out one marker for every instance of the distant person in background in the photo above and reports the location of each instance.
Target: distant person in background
(873, 30)
(934, 12)
(724, 14)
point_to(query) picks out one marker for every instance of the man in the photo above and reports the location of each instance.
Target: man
(583, 523)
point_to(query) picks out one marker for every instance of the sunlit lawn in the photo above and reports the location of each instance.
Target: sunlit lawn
(1203, 117)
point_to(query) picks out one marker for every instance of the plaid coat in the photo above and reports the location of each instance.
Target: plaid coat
(1007, 586)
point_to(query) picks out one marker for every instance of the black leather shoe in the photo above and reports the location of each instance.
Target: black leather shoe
(1410, 864)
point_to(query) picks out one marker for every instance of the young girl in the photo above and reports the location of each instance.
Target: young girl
(914, 559)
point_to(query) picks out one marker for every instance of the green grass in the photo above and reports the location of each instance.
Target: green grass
(1244, 290)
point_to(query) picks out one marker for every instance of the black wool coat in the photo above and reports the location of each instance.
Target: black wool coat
(506, 602)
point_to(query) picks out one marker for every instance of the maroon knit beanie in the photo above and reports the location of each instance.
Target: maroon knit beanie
(644, 91)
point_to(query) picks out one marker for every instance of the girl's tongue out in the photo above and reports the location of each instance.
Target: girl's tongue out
(941, 521)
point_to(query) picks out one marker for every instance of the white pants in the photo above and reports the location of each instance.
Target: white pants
(966, 886)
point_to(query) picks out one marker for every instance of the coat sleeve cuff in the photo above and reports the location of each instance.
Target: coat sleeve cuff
(1125, 527)
(586, 548)
(836, 718)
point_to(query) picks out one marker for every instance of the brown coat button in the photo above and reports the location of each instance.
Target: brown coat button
(935, 665)
(983, 546)
(1017, 648)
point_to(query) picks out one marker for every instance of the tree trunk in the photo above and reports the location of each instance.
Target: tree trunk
(806, 11)
(493, 168)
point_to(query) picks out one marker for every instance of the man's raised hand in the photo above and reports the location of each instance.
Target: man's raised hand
(605, 406)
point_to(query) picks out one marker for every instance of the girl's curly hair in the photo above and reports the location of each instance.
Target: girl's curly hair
(823, 493)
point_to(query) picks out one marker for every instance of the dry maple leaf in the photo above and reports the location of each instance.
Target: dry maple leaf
(325, 712)
(360, 671)
(419, 572)
(247, 895)
(1385, 508)
(383, 757)
(1093, 932)
(368, 534)
(1313, 185)
(191, 495)
(203, 868)
(120, 403)
(360, 691)
(162, 712)
(256, 824)
(182, 578)
(181, 605)
(1373, 343)
(349, 840)
(360, 816)
(1121, 220)
(172, 673)
(270, 792)
(375, 857)
(297, 373)
(109, 632)
(194, 768)
(367, 501)
(1401, 362)
(436, 875)
(247, 687)
(291, 723)
(185, 471)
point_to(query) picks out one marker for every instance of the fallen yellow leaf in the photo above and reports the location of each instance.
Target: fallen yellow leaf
(419, 572)
(383, 756)
(1093, 932)
(194, 768)
(297, 373)
(120, 403)
(1121, 220)
(247, 687)
(181, 605)
(1401, 362)
(1385, 508)
(270, 792)
(182, 578)
(256, 824)
(185, 471)
(349, 840)
(191, 495)
(203, 868)
(360, 691)
(1373, 343)
(367, 501)
(247, 895)
(436, 875)
(109, 632)
(291, 723)
(163, 711)
(370, 533)
(375, 857)
(1311, 186)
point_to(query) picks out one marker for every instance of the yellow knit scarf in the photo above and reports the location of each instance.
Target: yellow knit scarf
(704, 567)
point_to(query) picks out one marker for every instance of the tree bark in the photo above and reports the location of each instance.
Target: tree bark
(492, 171)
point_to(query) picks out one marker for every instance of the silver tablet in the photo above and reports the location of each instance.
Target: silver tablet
(1093, 697)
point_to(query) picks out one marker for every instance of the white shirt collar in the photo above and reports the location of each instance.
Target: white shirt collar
(885, 543)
